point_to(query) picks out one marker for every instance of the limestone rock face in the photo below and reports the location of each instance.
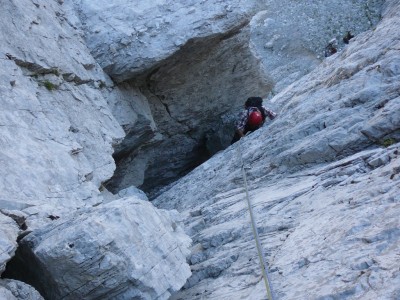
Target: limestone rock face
(57, 130)
(123, 250)
(60, 121)
(188, 84)
(183, 69)
(323, 186)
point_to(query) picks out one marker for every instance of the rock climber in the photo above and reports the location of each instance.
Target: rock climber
(331, 48)
(252, 117)
(348, 36)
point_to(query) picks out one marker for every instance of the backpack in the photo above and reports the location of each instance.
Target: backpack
(255, 119)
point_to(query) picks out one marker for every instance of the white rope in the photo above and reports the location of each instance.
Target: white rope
(261, 257)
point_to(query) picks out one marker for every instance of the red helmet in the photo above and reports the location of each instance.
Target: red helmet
(255, 119)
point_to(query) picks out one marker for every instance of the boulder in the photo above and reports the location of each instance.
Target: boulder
(13, 289)
(8, 240)
(125, 249)
(130, 37)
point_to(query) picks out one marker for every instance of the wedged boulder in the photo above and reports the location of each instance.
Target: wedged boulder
(125, 249)
(8, 240)
(13, 289)
(130, 37)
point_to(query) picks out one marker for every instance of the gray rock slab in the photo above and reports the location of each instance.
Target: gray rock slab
(57, 130)
(125, 249)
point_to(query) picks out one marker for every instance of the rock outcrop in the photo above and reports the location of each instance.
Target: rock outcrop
(57, 130)
(324, 188)
(129, 38)
(126, 249)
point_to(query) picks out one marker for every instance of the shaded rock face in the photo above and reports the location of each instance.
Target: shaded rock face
(193, 86)
(126, 249)
(192, 96)
(323, 186)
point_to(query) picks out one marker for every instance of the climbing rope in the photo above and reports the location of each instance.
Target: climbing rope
(261, 257)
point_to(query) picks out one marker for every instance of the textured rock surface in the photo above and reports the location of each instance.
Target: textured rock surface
(290, 37)
(329, 232)
(61, 117)
(56, 129)
(126, 249)
(130, 37)
(324, 189)
(8, 240)
(196, 63)
(190, 101)
(13, 289)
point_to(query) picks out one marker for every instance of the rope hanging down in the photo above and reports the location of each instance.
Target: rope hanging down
(261, 257)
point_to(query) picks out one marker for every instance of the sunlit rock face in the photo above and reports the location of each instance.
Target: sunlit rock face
(8, 240)
(57, 132)
(17, 290)
(59, 127)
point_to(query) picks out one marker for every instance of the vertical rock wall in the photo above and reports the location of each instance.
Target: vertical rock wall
(58, 131)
